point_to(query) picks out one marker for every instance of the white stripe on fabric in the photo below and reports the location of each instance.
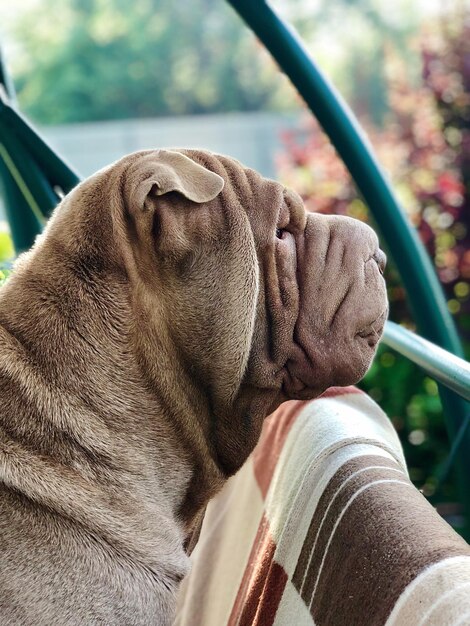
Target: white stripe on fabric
(340, 517)
(448, 607)
(464, 620)
(292, 609)
(446, 574)
(312, 453)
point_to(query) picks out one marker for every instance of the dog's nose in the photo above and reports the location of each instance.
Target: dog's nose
(381, 259)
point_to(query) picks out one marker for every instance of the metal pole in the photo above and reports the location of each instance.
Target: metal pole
(29, 171)
(448, 369)
(54, 168)
(23, 224)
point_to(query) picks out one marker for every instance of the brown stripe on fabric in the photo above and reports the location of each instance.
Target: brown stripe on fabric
(265, 592)
(262, 585)
(259, 543)
(386, 536)
(343, 473)
(275, 431)
(333, 392)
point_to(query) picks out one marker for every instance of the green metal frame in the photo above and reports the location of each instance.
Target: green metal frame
(34, 177)
(15, 203)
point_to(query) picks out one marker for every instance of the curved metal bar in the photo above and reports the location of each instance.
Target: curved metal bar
(29, 170)
(27, 175)
(448, 369)
(54, 168)
(423, 290)
(23, 223)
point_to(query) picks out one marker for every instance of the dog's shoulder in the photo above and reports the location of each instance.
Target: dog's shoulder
(90, 581)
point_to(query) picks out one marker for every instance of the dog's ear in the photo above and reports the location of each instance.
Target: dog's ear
(163, 171)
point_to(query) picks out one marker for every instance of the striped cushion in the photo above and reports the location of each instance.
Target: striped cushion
(322, 526)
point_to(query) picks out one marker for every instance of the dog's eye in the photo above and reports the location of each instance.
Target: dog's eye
(279, 232)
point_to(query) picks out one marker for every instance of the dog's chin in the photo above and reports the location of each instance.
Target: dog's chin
(315, 367)
(294, 388)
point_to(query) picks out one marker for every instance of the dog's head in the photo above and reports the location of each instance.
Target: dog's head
(258, 300)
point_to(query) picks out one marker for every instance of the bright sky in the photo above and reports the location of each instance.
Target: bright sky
(8, 13)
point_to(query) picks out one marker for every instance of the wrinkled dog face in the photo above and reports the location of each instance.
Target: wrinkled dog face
(322, 300)
(260, 296)
(325, 290)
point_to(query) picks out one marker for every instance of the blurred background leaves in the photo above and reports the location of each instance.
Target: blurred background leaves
(83, 60)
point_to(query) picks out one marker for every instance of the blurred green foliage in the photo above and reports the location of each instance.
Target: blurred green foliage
(350, 40)
(81, 60)
(6, 252)
(6, 246)
(3, 276)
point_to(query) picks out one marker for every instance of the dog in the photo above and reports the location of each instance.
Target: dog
(174, 300)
